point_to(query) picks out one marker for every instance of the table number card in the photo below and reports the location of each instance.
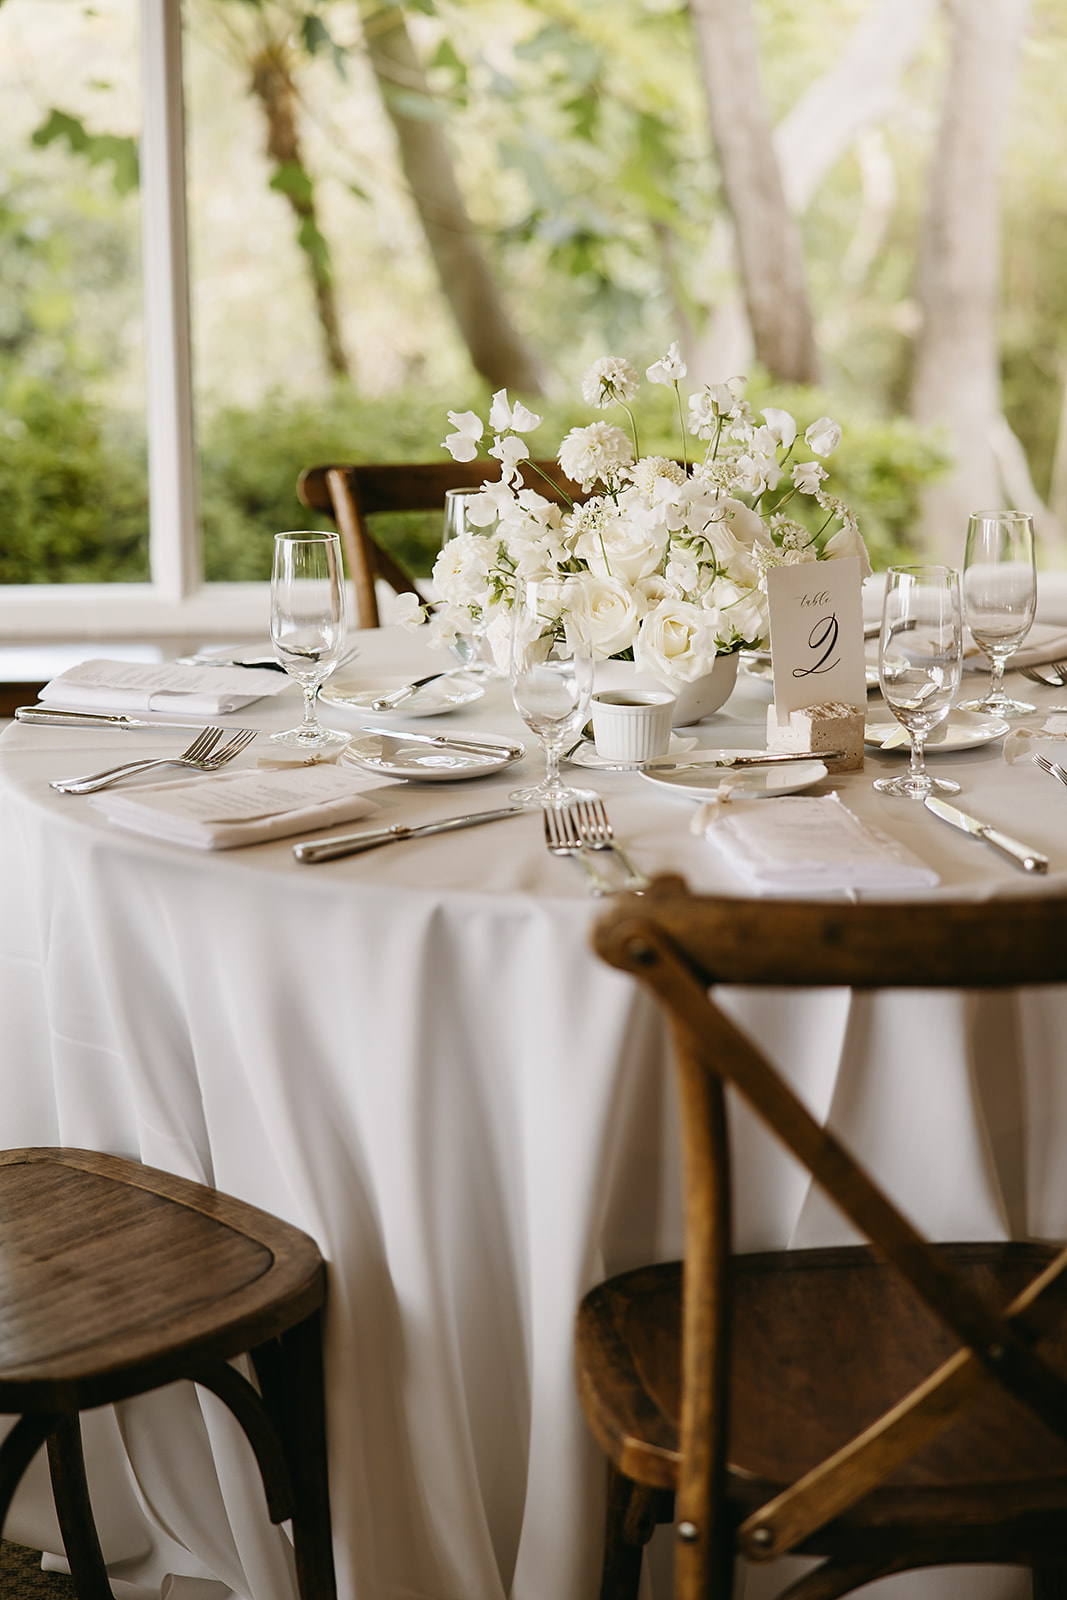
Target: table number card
(820, 686)
(816, 612)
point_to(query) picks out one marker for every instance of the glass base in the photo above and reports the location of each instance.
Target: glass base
(997, 705)
(916, 788)
(550, 794)
(312, 739)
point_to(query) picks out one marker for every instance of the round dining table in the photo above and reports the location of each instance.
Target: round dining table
(413, 1054)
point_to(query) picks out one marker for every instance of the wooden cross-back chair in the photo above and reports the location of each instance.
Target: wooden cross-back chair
(351, 494)
(887, 1408)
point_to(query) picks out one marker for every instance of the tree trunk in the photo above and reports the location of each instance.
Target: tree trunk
(956, 380)
(272, 85)
(856, 93)
(496, 348)
(768, 243)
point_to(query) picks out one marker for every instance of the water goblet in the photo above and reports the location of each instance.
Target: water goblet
(999, 598)
(551, 683)
(307, 625)
(919, 659)
(469, 646)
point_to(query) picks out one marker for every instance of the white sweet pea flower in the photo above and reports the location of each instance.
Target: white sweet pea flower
(469, 427)
(498, 638)
(683, 571)
(407, 610)
(677, 640)
(596, 452)
(823, 436)
(742, 609)
(753, 473)
(509, 451)
(848, 541)
(493, 501)
(807, 475)
(781, 424)
(461, 571)
(607, 612)
(503, 416)
(669, 368)
(609, 381)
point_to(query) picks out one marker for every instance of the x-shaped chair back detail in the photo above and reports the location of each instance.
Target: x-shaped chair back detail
(680, 946)
(350, 494)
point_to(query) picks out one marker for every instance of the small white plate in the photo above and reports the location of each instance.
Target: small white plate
(390, 757)
(587, 755)
(746, 783)
(444, 694)
(963, 730)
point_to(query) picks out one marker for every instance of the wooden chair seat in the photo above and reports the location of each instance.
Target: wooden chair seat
(887, 1408)
(116, 1279)
(806, 1323)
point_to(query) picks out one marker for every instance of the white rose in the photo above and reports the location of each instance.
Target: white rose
(606, 612)
(677, 641)
(823, 436)
(619, 541)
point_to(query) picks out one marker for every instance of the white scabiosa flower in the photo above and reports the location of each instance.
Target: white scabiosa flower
(609, 381)
(598, 451)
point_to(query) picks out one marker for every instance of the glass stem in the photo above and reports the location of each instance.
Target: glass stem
(552, 752)
(918, 747)
(996, 678)
(311, 720)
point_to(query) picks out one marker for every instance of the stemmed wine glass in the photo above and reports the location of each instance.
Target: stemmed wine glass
(999, 597)
(551, 683)
(307, 625)
(468, 647)
(919, 659)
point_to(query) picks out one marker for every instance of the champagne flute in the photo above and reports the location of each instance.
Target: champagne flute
(307, 625)
(919, 659)
(551, 683)
(999, 597)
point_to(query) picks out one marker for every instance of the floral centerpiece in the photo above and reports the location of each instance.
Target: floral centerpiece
(664, 563)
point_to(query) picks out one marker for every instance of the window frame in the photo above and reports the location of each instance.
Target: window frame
(175, 600)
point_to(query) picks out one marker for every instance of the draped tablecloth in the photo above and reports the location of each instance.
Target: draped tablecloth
(414, 1055)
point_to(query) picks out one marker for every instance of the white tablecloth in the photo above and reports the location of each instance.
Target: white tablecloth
(413, 1055)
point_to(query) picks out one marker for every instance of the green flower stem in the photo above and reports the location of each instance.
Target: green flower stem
(681, 425)
(633, 429)
(550, 481)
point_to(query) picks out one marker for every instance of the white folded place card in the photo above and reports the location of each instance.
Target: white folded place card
(236, 808)
(816, 614)
(803, 844)
(160, 686)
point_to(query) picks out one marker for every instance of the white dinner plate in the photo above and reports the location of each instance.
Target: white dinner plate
(963, 730)
(390, 757)
(746, 783)
(444, 694)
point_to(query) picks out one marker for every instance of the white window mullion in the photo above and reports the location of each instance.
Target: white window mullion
(175, 543)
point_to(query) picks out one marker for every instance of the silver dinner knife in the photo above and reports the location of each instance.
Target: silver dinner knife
(396, 697)
(55, 717)
(758, 758)
(1021, 854)
(448, 741)
(350, 844)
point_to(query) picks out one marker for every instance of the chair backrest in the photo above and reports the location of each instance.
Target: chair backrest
(350, 494)
(680, 945)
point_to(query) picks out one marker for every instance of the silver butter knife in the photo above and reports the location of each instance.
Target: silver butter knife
(1021, 854)
(49, 716)
(448, 741)
(350, 844)
(758, 758)
(396, 697)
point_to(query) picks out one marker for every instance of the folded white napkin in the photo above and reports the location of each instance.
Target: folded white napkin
(234, 808)
(801, 844)
(1046, 641)
(160, 686)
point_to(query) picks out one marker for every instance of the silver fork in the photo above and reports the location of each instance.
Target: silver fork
(595, 830)
(198, 756)
(563, 839)
(1053, 768)
(1058, 669)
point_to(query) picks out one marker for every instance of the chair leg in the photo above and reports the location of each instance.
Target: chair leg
(70, 1490)
(291, 1379)
(632, 1515)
